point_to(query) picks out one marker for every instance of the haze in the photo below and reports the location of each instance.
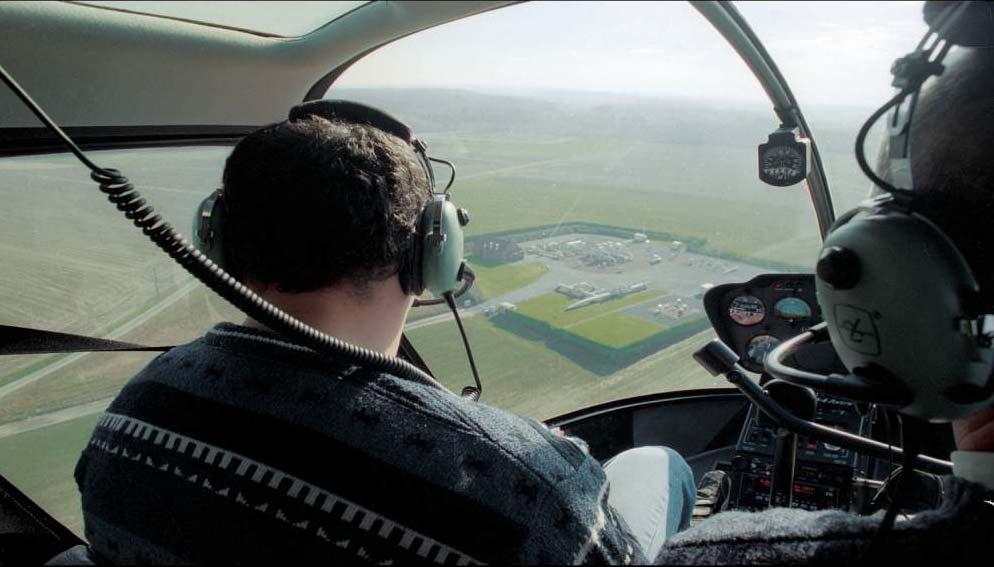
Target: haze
(836, 53)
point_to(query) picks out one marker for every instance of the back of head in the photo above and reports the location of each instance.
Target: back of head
(952, 156)
(314, 203)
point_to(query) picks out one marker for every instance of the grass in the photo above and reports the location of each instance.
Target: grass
(550, 307)
(524, 376)
(616, 330)
(73, 263)
(41, 463)
(495, 281)
(96, 376)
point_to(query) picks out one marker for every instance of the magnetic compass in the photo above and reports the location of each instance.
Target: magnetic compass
(783, 159)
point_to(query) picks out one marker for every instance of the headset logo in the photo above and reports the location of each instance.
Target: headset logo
(857, 329)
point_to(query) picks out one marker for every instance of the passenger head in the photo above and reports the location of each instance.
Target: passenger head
(316, 203)
(952, 156)
(952, 159)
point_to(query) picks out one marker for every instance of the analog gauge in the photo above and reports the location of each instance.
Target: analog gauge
(792, 309)
(746, 310)
(760, 346)
(783, 164)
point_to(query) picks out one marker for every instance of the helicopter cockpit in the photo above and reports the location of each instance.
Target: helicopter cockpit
(643, 211)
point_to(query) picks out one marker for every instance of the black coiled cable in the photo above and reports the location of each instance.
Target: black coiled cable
(128, 200)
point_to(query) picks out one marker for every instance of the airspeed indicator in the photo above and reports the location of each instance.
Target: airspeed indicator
(747, 310)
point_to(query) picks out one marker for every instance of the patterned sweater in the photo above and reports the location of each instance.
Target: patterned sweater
(242, 447)
(957, 532)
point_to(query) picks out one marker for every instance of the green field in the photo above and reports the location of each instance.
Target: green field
(616, 330)
(550, 307)
(524, 375)
(599, 322)
(95, 376)
(41, 463)
(495, 281)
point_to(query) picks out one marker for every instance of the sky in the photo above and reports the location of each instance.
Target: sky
(832, 53)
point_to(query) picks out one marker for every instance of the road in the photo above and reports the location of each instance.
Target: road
(53, 418)
(159, 307)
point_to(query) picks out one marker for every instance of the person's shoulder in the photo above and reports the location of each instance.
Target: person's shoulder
(786, 534)
(792, 535)
(522, 441)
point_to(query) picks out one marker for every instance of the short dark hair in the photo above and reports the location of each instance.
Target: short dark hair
(952, 156)
(313, 203)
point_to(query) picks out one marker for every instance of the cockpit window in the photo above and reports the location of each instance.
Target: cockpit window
(610, 172)
(606, 153)
(73, 264)
(837, 57)
(283, 18)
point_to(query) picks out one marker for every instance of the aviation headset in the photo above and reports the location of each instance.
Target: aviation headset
(435, 258)
(902, 307)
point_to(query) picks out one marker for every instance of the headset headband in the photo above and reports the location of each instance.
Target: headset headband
(349, 111)
(355, 112)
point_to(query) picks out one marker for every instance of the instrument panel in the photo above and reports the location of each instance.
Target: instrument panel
(823, 472)
(754, 317)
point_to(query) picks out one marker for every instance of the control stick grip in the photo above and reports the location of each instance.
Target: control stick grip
(717, 358)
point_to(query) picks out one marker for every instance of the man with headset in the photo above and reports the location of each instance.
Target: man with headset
(952, 136)
(244, 446)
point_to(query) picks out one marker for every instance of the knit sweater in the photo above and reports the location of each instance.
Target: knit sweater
(244, 447)
(958, 531)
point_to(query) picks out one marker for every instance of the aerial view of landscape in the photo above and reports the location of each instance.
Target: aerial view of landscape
(598, 223)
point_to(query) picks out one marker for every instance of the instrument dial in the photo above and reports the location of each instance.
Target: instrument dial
(760, 346)
(792, 309)
(784, 164)
(747, 310)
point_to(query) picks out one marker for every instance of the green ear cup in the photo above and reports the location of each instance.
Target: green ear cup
(442, 247)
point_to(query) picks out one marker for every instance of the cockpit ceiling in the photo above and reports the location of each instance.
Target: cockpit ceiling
(102, 68)
(282, 18)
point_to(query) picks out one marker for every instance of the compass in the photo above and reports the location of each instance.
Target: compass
(783, 159)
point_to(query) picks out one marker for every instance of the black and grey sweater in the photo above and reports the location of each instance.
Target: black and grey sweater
(242, 447)
(959, 531)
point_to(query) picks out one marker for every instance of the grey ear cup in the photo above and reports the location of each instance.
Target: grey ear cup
(898, 298)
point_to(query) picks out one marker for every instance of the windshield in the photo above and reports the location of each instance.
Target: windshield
(609, 169)
(610, 172)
